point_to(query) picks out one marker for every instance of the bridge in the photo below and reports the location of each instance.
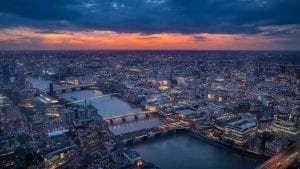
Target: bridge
(282, 159)
(124, 116)
(146, 134)
(65, 89)
(91, 98)
(174, 125)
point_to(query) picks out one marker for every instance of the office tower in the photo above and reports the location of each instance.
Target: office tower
(51, 89)
(6, 74)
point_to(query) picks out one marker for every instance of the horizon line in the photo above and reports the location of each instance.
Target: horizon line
(261, 50)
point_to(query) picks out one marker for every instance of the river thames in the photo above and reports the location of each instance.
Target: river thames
(180, 150)
(111, 105)
(173, 151)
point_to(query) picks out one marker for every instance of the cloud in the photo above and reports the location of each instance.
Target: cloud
(41, 10)
(199, 38)
(149, 37)
(28, 38)
(272, 18)
(152, 16)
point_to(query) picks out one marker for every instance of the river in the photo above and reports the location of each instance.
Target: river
(111, 105)
(174, 151)
(180, 151)
(39, 83)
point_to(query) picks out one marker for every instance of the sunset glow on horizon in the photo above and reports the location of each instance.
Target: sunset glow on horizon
(150, 24)
(27, 38)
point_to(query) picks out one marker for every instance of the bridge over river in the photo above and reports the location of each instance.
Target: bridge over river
(283, 159)
(125, 115)
(157, 130)
(70, 88)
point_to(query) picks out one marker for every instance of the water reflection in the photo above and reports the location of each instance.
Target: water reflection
(181, 150)
(132, 124)
(106, 105)
(39, 83)
(110, 105)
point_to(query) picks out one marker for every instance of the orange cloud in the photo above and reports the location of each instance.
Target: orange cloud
(114, 40)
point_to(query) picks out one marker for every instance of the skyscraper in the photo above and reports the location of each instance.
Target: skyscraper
(51, 89)
(6, 74)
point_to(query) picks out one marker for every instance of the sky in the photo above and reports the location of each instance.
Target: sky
(150, 24)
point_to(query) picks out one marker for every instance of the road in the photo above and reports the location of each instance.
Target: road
(282, 159)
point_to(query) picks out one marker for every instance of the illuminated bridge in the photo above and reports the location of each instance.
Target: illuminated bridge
(151, 132)
(174, 125)
(283, 159)
(124, 116)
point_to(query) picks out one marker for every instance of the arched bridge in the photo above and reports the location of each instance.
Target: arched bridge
(124, 116)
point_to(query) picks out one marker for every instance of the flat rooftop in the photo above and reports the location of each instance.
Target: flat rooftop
(242, 124)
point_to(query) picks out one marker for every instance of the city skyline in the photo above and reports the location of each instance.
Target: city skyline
(150, 84)
(150, 24)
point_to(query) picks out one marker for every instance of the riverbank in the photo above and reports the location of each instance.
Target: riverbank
(181, 150)
(206, 140)
(106, 105)
(222, 143)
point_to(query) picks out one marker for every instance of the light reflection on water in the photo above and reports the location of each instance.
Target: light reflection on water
(39, 83)
(180, 150)
(120, 127)
(110, 105)
(106, 105)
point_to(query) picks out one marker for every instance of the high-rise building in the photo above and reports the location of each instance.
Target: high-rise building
(19, 77)
(51, 89)
(6, 74)
(78, 113)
